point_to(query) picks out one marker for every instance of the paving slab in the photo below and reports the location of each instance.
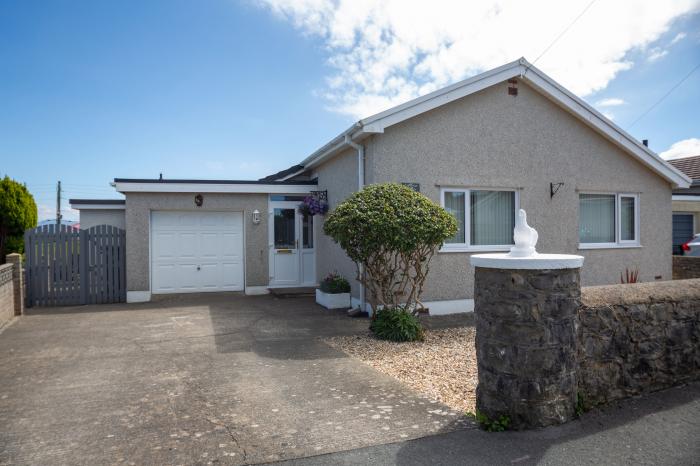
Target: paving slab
(225, 379)
(659, 429)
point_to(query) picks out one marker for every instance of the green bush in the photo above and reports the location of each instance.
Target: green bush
(391, 232)
(18, 212)
(397, 325)
(335, 284)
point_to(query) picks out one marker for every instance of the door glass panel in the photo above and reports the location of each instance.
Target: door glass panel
(307, 231)
(284, 229)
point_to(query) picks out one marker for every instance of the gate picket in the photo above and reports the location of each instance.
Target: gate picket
(66, 267)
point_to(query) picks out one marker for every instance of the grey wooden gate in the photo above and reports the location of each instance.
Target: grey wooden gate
(64, 266)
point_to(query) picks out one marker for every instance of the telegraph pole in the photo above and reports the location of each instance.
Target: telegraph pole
(58, 204)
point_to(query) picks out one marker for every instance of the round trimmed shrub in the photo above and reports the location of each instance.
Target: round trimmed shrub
(397, 325)
(392, 232)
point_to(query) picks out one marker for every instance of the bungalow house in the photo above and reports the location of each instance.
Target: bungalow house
(686, 203)
(506, 139)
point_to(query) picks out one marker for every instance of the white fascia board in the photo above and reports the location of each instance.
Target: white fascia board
(331, 151)
(685, 197)
(126, 187)
(292, 175)
(97, 206)
(524, 70)
(604, 126)
(330, 147)
(435, 99)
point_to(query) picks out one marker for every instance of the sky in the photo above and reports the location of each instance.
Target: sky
(239, 89)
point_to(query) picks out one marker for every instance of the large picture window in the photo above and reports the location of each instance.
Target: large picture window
(608, 220)
(485, 218)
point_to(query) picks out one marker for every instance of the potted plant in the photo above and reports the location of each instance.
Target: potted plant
(334, 292)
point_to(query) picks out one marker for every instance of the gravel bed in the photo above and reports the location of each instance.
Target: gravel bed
(443, 367)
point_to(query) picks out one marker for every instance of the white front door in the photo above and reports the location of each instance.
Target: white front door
(196, 251)
(292, 252)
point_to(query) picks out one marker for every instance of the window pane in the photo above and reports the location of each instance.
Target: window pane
(284, 229)
(307, 228)
(627, 232)
(492, 217)
(597, 218)
(454, 204)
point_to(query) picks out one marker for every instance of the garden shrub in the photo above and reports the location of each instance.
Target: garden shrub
(397, 325)
(334, 284)
(391, 232)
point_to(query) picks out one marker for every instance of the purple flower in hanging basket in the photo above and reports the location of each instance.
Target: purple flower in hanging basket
(313, 206)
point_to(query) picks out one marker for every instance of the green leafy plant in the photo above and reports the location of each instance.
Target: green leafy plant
(397, 324)
(499, 424)
(391, 232)
(335, 284)
(18, 212)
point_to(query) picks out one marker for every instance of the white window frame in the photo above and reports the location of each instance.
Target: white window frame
(466, 246)
(618, 243)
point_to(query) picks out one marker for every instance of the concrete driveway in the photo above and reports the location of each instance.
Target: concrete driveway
(196, 380)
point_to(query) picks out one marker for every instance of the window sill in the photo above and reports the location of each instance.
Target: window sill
(608, 246)
(474, 249)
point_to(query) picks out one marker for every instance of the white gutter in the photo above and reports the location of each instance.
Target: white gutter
(685, 197)
(272, 188)
(360, 184)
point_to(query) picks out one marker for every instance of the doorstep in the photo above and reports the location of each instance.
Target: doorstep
(298, 292)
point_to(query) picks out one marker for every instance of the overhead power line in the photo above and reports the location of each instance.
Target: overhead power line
(663, 97)
(561, 34)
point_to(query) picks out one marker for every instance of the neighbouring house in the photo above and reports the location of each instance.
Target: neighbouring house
(95, 212)
(686, 203)
(506, 139)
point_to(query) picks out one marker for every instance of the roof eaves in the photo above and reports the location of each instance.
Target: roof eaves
(540, 81)
(176, 181)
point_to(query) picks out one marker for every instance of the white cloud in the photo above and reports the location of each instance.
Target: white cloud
(611, 102)
(609, 115)
(656, 53)
(685, 148)
(383, 52)
(679, 37)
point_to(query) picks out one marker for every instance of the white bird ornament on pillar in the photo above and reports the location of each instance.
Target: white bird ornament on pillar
(524, 236)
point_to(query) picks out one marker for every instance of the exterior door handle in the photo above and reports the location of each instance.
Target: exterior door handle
(198, 268)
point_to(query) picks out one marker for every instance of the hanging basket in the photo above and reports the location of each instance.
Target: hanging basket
(313, 205)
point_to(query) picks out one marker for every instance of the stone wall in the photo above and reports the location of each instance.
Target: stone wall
(685, 267)
(637, 338)
(525, 344)
(7, 294)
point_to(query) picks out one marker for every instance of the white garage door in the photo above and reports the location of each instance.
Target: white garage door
(196, 251)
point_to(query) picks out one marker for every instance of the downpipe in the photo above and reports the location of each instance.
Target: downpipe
(360, 184)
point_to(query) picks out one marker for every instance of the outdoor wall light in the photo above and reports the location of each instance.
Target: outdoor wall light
(256, 216)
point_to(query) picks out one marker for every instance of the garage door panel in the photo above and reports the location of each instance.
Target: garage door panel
(210, 245)
(164, 277)
(233, 275)
(233, 246)
(197, 251)
(165, 245)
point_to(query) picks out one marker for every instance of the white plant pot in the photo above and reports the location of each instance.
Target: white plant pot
(333, 301)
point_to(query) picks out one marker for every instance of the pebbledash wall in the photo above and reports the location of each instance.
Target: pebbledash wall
(493, 140)
(138, 229)
(637, 338)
